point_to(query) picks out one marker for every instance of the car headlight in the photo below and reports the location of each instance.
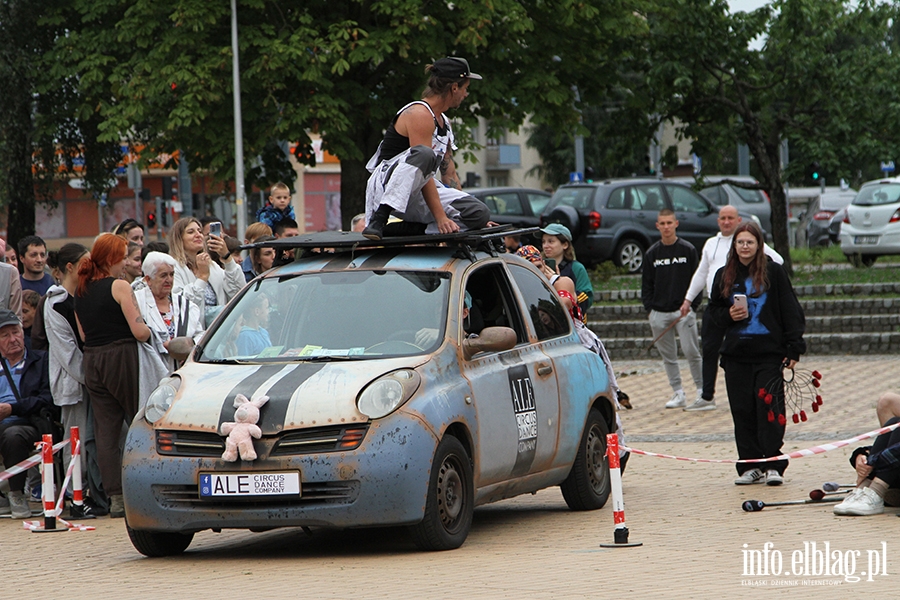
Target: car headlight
(161, 399)
(382, 397)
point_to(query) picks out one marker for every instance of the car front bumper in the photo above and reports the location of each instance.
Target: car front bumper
(382, 482)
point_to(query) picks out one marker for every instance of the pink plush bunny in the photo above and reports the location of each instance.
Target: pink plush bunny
(241, 432)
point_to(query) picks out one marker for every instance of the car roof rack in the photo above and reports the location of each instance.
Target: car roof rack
(468, 241)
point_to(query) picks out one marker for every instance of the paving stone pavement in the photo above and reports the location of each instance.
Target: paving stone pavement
(696, 539)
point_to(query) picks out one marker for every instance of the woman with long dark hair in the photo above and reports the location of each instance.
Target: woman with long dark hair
(111, 324)
(754, 302)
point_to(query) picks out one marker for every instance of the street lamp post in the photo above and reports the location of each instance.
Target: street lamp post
(240, 193)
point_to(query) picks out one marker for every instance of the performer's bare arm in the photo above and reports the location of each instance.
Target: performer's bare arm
(449, 176)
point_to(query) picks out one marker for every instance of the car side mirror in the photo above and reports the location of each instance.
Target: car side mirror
(491, 339)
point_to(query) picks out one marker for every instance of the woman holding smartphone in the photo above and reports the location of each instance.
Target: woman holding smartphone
(754, 301)
(556, 243)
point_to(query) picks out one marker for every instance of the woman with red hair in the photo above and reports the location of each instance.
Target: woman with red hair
(111, 324)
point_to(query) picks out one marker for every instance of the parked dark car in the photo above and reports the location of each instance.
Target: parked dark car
(521, 207)
(818, 219)
(616, 219)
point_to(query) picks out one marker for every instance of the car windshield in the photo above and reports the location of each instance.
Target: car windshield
(333, 316)
(576, 197)
(878, 194)
(749, 196)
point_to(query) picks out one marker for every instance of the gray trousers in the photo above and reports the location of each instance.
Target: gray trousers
(80, 415)
(690, 346)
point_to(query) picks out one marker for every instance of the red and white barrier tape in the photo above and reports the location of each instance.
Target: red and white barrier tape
(76, 458)
(797, 454)
(29, 462)
(37, 525)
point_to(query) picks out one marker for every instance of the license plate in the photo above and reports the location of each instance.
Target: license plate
(865, 239)
(249, 484)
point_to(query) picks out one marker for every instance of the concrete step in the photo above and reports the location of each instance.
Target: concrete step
(812, 308)
(876, 323)
(817, 343)
(843, 289)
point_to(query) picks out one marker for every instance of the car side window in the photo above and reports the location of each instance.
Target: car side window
(492, 302)
(617, 198)
(504, 204)
(715, 194)
(538, 202)
(647, 197)
(547, 315)
(685, 200)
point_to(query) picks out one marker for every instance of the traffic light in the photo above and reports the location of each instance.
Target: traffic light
(814, 172)
(151, 220)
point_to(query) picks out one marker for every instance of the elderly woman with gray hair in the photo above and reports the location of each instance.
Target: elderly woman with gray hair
(175, 323)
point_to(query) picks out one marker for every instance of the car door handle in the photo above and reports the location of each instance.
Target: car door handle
(544, 369)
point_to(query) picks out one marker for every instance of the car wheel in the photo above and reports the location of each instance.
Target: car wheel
(568, 216)
(451, 499)
(629, 254)
(159, 543)
(587, 486)
(862, 260)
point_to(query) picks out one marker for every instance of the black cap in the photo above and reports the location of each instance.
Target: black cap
(453, 67)
(8, 317)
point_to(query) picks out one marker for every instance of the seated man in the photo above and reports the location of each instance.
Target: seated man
(877, 466)
(30, 372)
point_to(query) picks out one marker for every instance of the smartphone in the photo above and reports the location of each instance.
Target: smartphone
(740, 300)
(550, 262)
(215, 228)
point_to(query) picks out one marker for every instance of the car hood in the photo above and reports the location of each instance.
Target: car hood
(306, 394)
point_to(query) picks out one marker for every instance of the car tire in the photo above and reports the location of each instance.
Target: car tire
(629, 255)
(568, 216)
(862, 260)
(159, 543)
(451, 499)
(587, 486)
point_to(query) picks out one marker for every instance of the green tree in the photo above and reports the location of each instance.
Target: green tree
(162, 71)
(824, 78)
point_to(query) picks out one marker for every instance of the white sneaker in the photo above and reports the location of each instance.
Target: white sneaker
(700, 404)
(773, 477)
(862, 502)
(18, 505)
(750, 477)
(677, 400)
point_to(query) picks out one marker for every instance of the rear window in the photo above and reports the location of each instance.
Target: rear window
(749, 196)
(878, 194)
(576, 197)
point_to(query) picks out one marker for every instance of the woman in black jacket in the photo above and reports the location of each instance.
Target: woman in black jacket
(760, 340)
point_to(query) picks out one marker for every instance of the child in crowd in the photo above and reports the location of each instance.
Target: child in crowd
(278, 207)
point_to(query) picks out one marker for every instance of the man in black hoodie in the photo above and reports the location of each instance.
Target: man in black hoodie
(669, 265)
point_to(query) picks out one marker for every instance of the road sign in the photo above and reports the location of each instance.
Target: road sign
(576, 177)
(887, 166)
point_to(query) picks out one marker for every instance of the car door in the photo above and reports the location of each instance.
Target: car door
(697, 219)
(514, 392)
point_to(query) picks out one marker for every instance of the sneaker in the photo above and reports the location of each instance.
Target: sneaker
(677, 400)
(4, 505)
(623, 399)
(750, 477)
(18, 505)
(83, 511)
(700, 405)
(862, 502)
(116, 506)
(773, 477)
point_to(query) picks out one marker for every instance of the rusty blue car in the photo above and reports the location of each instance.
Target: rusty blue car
(408, 381)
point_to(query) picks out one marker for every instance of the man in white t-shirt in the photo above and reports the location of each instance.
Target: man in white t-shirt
(715, 252)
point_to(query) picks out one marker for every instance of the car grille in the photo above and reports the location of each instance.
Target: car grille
(312, 493)
(305, 441)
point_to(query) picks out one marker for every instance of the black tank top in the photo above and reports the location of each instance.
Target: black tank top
(100, 315)
(394, 143)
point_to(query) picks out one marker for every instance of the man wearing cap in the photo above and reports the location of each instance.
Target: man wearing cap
(416, 146)
(30, 373)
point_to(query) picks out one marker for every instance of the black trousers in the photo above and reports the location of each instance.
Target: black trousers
(16, 444)
(754, 435)
(711, 336)
(890, 475)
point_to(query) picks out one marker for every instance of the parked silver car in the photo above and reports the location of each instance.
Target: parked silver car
(872, 225)
(755, 202)
(818, 218)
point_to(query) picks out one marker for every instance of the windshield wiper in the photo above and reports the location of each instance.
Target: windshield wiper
(226, 361)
